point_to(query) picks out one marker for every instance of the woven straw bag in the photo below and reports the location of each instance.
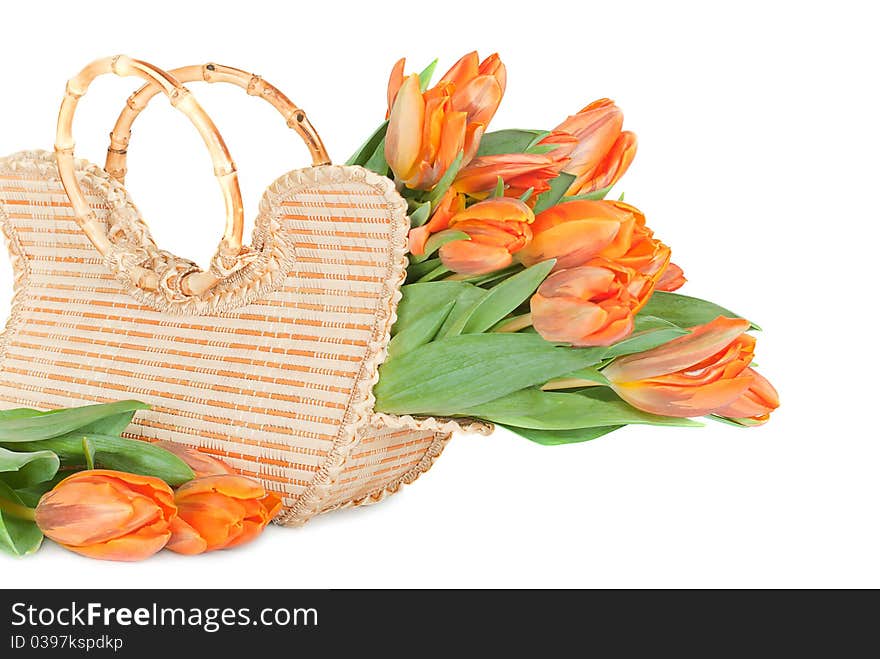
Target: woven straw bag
(266, 360)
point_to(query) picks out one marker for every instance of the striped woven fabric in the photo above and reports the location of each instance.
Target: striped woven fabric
(276, 380)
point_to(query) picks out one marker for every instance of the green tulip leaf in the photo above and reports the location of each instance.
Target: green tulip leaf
(129, 455)
(437, 240)
(426, 75)
(542, 149)
(596, 195)
(18, 536)
(368, 148)
(435, 274)
(650, 332)
(419, 332)
(446, 181)
(685, 311)
(506, 296)
(22, 469)
(420, 214)
(549, 410)
(32, 494)
(59, 422)
(509, 141)
(466, 301)
(450, 376)
(416, 271)
(376, 162)
(418, 299)
(558, 187)
(114, 424)
(558, 437)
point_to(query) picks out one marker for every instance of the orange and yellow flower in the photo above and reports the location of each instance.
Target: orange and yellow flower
(218, 512)
(519, 171)
(108, 515)
(704, 372)
(498, 229)
(572, 233)
(427, 130)
(604, 151)
(584, 306)
(200, 462)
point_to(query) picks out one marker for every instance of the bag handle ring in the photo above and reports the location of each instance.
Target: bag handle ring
(253, 84)
(194, 283)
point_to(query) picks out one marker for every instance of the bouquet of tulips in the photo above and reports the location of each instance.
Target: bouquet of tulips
(531, 300)
(143, 498)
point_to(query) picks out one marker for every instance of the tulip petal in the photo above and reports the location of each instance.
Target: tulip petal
(403, 140)
(133, 547)
(682, 401)
(479, 98)
(233, 485)
(472, 258)
(570, 243)
(679, 354)
(671, 279)
(185, 539)
(451, 141)
(565, 319)
(503, 209)
(395, 81)
(215, 517)
(754, 404)
(494, 67)
(465, 69)
(482, 174)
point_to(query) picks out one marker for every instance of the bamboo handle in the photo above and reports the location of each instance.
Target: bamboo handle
(180, 98)
(253, 84)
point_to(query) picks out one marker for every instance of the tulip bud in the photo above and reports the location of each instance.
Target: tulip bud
(498, 228)
(219, 512)
(200, 462)
(109, 515)
(573, 233)
(604, 152)
(585, 306)
(704, 372)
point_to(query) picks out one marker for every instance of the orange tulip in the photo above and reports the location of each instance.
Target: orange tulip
(201, 463)
(603, 152)
(519, 171)
(576, 232)
(498, 228)
(704, 372)
(427, 131)
(573, 232)
(109, 515)
(671, 279)
(218, 512)
(584, 306)
(449, 205)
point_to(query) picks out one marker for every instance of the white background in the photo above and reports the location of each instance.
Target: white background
(757, 163)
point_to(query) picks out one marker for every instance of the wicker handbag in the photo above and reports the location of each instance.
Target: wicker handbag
(268, 358)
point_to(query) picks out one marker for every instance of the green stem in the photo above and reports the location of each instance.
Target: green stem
(17, 510)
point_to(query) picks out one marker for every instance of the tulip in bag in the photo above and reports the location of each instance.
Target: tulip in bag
(446, 278)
